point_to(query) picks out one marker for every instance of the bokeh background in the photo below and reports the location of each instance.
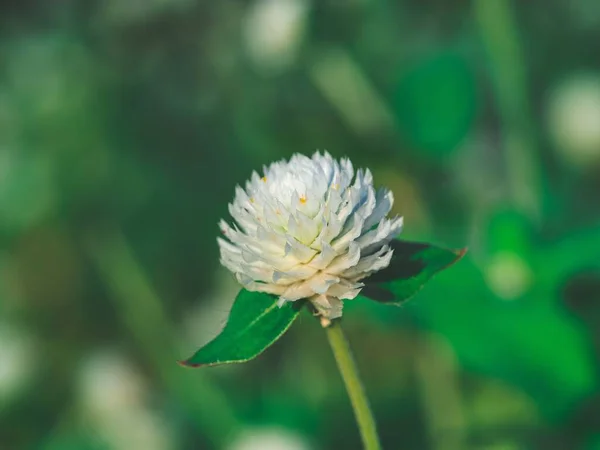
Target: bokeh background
(126, 124)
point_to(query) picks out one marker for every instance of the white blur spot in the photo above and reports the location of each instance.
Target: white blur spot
(140, 429)
(503, 446)
(109, 383)
(508, 275)
(273, 31)
(574, 119)
(16, 362)
(270, 439)
(113, 397)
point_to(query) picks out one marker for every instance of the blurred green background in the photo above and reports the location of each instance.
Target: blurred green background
(125, 126)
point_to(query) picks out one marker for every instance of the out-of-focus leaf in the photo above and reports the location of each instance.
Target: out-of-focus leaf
(412, 265)
(255, 323)
(532, 343)
(436, 102)
(594, 443)
(27, 189)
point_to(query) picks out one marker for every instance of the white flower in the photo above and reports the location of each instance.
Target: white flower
(574, 120)
(110, 383)
(17, 363)
(273, 33)
(114, 397)
(309, 229)
(271, 438)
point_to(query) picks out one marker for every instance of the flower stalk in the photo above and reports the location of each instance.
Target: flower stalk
(354, 387)
(314, 231)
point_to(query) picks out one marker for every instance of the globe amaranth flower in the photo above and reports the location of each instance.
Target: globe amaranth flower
(310, 228)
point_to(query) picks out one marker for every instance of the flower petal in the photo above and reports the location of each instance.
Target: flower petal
(310, 227)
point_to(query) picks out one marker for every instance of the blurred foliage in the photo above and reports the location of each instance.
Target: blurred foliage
(124, 127)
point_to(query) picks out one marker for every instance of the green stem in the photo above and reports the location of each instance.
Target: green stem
(141, 310)
(501, 40)
(356, 391)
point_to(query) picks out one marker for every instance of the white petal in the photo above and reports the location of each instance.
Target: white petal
(323, 259)
(366, 266)
(271, 240)
(298, 291)
(367, 205)
(281, 263)
(345, 290)
(302, 228)
(385, 232)
(243, 217)
(299, 272)
(256, 272)
(330, 230)
(384, 201)
(259, 287)
(350, 232)
(298, 251)
(321, 282)
(346, 260)
(328, 307)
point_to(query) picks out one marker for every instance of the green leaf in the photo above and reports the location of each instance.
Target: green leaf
(255, 322)
(412, 265)
(532, 343)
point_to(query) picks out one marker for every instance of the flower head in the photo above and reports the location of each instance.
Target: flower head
(310, 228)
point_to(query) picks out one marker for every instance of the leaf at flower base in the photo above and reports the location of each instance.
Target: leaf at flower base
(412, 265)
(255, 322)
(378, 293)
